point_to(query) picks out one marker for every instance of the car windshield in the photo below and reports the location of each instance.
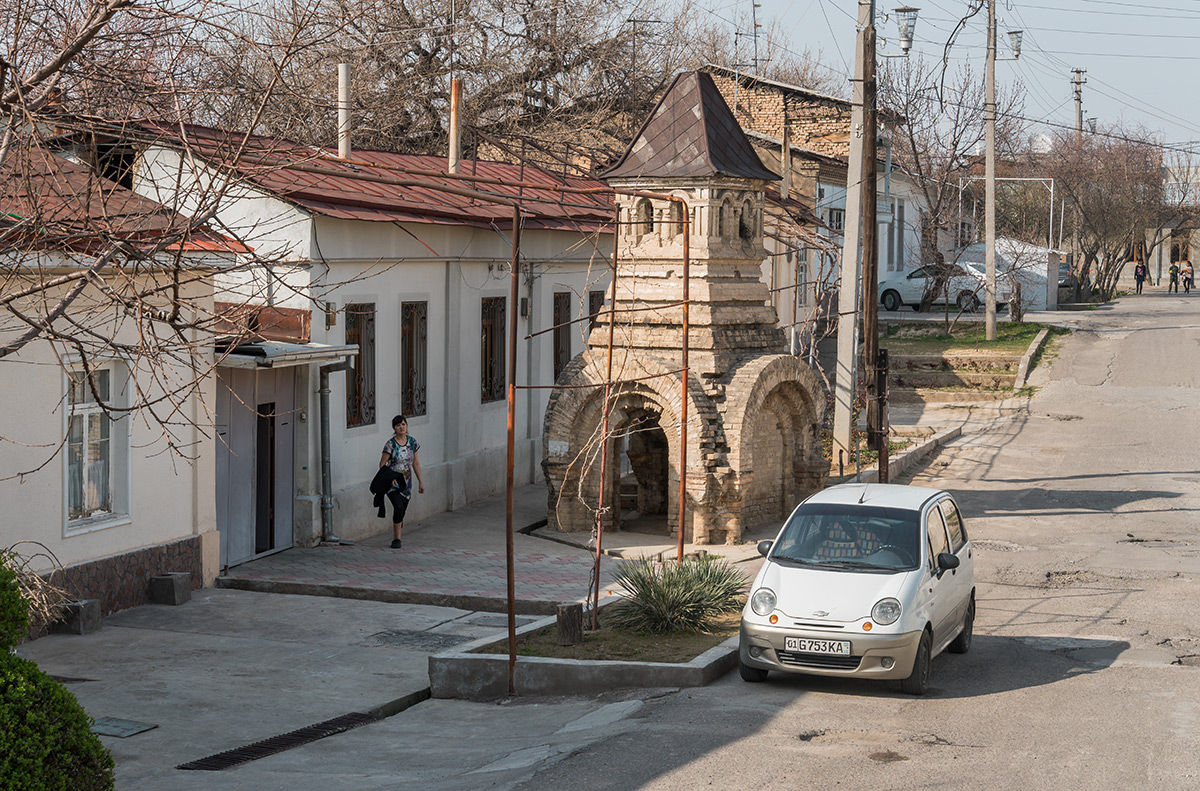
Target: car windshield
(845, 537)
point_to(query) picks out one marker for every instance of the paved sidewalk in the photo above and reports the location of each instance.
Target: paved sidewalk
(458, 559)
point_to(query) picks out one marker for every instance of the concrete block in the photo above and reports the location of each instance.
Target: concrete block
(174, 587)
(79, 617)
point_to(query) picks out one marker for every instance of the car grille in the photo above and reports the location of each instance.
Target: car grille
(820, 661)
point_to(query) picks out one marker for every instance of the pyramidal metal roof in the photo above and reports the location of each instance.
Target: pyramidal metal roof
(691, 132)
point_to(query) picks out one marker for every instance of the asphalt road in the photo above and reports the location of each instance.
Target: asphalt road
(1085, 672)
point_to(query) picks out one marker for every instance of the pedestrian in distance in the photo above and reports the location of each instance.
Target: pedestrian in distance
(400, 456)
(1139, 275)
(1186, 273)
(1173, 274)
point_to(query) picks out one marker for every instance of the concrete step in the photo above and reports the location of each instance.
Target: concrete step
(918, 379)
(974, 363)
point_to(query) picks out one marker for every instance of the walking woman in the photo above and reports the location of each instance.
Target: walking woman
(400, 455)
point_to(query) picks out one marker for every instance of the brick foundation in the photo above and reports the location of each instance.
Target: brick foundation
(123, 581)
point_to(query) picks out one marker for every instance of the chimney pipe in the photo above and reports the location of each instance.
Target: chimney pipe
(343, 110)
(455, 132)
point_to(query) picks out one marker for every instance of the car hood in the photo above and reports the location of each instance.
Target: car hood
(842, 596)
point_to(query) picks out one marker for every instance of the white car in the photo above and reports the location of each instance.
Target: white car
(965, 287)
(865, 581)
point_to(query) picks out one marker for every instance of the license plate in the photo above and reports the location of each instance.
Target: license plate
(804, 645)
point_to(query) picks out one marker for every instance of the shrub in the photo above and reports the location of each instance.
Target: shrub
(671, 597)
(14, 612)
(45, 737)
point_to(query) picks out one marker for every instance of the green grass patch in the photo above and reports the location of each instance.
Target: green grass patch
(965, 338)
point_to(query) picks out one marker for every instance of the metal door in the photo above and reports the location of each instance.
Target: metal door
(255, 475)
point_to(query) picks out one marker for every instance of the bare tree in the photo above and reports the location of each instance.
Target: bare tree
(1117, 199)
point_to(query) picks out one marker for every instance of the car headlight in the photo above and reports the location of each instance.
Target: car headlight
(885, 611)
(763, 601)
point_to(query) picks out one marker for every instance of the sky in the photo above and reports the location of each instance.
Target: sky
(1142, 60)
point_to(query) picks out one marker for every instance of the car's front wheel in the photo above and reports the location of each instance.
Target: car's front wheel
(752, 674)
(891, 300)
(917, 682)
(968, 301)
(962, 643)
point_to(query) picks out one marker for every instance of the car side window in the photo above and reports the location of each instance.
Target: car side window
(936, 530)
(917, 273)
(958, 532)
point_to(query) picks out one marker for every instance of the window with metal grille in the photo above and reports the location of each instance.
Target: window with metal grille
(595, 305)
(491, 348)
(360, 379)
(413, 324)
(562, 331)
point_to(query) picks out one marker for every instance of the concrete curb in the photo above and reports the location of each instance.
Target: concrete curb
(462, 602)
(458, 673)
(1027, 359)
(905, 460)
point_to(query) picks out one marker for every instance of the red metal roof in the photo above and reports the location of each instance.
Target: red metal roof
(48, 201)
(316, 180)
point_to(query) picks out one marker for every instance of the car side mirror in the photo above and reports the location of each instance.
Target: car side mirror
(947, 562)
(764, 548)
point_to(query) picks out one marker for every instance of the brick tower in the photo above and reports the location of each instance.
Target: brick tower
(754, 411)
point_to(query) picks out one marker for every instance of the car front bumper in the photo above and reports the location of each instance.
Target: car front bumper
(762, 647)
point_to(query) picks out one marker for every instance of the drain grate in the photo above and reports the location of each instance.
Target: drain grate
(277, 744)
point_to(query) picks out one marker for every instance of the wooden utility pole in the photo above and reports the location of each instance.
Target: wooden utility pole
(870, 254)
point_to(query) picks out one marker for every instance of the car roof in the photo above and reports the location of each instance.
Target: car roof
(889, 495)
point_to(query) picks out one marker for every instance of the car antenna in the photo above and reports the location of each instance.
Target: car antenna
(862, 496)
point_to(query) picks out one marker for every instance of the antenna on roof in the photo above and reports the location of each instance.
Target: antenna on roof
(863, 496)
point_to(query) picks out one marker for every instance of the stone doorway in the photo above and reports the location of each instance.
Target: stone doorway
(642, 471)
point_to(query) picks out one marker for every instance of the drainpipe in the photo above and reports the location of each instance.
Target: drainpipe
(326, 475)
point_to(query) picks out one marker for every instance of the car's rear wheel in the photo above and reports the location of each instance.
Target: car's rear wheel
(917, 682)
(968, 301)
(891, 300)
(962, 643)
(752, 674)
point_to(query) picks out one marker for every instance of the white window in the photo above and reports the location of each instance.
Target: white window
(837, 219)
(97, 452)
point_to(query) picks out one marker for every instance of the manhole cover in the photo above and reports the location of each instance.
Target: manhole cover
(111, 726)
(418, 641)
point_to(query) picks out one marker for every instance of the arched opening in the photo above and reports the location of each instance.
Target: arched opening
(642, 473)
(674, 220)
(643, 219)
(746, 222)
(725, 219)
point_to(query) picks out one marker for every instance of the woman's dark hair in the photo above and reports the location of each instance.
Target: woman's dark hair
(398, 419)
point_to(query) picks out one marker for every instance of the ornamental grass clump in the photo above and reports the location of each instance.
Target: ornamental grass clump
(676, 597)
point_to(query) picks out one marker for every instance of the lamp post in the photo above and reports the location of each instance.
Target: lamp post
(989, 193)
(861, 212)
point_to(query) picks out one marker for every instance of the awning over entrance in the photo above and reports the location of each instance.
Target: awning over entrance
(276, 354)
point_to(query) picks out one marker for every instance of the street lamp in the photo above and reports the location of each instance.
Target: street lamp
(906, 20)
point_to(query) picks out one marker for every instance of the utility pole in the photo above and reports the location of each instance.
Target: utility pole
(1078, 82)
(845, 381)
(877, 438)
(989, 193)
(754, 31)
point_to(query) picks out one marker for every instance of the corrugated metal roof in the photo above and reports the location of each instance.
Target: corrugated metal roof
(345, 189)
(691, 132)
(49, 201)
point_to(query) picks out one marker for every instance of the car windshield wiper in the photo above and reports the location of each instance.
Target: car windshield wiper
(795, 561)
(854, 564)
